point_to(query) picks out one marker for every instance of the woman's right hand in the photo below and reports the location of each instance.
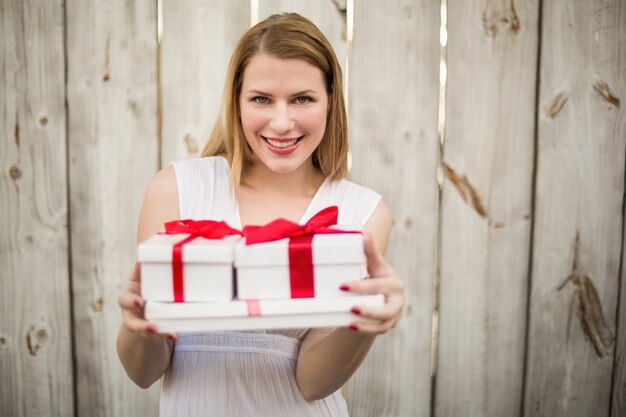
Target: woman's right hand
(132, 306)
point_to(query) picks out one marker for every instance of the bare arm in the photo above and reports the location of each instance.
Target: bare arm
(329, 357)
(145, 354)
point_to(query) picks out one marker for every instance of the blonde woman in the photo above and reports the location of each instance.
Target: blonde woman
(278, 149)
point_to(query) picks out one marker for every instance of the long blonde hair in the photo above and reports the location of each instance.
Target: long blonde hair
(285, 36)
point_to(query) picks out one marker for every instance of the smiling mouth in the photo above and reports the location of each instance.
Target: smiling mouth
(282, 143)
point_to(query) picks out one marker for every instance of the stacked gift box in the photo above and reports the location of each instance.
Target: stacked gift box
(205, 275)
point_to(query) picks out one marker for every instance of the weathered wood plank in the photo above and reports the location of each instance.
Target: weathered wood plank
(578, 215)
(486, 206)
(113, 154)
(35, 327)
(394, 102)
(197, 41)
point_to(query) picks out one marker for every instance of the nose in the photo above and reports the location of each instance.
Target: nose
(281, 121)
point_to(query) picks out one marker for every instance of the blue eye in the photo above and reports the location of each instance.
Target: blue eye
(303, 100)
(261, 100)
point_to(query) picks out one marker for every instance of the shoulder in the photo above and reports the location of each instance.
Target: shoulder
(191, 173)
(160, 203)
(356, 202)
(379, 219)
(200, 164)
(163, 185)
(379, 225)
(353, 188)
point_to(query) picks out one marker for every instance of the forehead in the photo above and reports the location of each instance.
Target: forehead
(266, 71)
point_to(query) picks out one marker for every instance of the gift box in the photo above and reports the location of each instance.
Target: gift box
(284, 259)
(258, 314)
(192, 266)
(291, 268)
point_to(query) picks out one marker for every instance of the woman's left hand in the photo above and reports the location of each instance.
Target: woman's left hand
(382, 280)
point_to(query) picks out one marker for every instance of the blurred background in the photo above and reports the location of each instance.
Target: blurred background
(493, 129)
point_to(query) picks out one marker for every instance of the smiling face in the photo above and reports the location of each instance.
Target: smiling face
(283, 106)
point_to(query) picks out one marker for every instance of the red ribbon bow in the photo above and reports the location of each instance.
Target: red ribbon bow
(282, 228)
(300, 245)
(207, 229)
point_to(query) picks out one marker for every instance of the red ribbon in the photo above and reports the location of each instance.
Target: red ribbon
(254, 308)
(302, 280)
(207, 229)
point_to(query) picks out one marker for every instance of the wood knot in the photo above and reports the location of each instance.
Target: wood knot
(602, 89)
(465, 189)
(556, 105)
(43, 120)
(106, 77)
(98, 305)
(15, 173)
(494, 17)
(35, 340)
(192, 144)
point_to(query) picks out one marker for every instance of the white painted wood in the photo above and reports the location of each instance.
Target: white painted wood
(197, 41)
(111, 55)
(578, 216)
(394, 102)
(486, 206)
(35, 324)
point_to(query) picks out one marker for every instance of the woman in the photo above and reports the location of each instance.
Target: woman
(279, 149)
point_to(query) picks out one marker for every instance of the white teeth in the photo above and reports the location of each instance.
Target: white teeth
(281, 144)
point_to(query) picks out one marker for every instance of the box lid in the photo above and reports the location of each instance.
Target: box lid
(158, 248)
(327, 249)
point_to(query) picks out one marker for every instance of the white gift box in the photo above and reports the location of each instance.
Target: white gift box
(207, 268)
(263, 268)
(258, 314)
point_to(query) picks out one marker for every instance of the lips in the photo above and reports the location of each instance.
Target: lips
(282, 144)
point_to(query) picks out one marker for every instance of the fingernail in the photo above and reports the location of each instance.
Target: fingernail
(171, 337)
(138, 303)
(355, 310)
(151, 328)
(353, 327)
(344, 287)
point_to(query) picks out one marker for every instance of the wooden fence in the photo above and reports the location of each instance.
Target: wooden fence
(508, 201)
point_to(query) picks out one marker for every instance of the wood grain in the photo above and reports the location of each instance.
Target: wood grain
(198, 39)
(35, 323)
(578, 217)
(113, 153)
(394, 102)
(486, 206)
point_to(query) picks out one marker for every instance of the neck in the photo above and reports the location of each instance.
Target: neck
(303, 182)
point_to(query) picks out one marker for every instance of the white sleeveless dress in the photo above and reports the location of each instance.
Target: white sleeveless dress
(252, 373)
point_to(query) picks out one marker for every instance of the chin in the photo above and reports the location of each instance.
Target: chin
(283, 167)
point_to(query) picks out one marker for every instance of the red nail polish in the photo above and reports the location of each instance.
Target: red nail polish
(171, 337)
(151, 328)
(138, 303)
(353, 327)
(344, 287)
(355, 310)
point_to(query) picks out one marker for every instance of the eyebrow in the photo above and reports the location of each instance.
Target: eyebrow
(300, 93)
